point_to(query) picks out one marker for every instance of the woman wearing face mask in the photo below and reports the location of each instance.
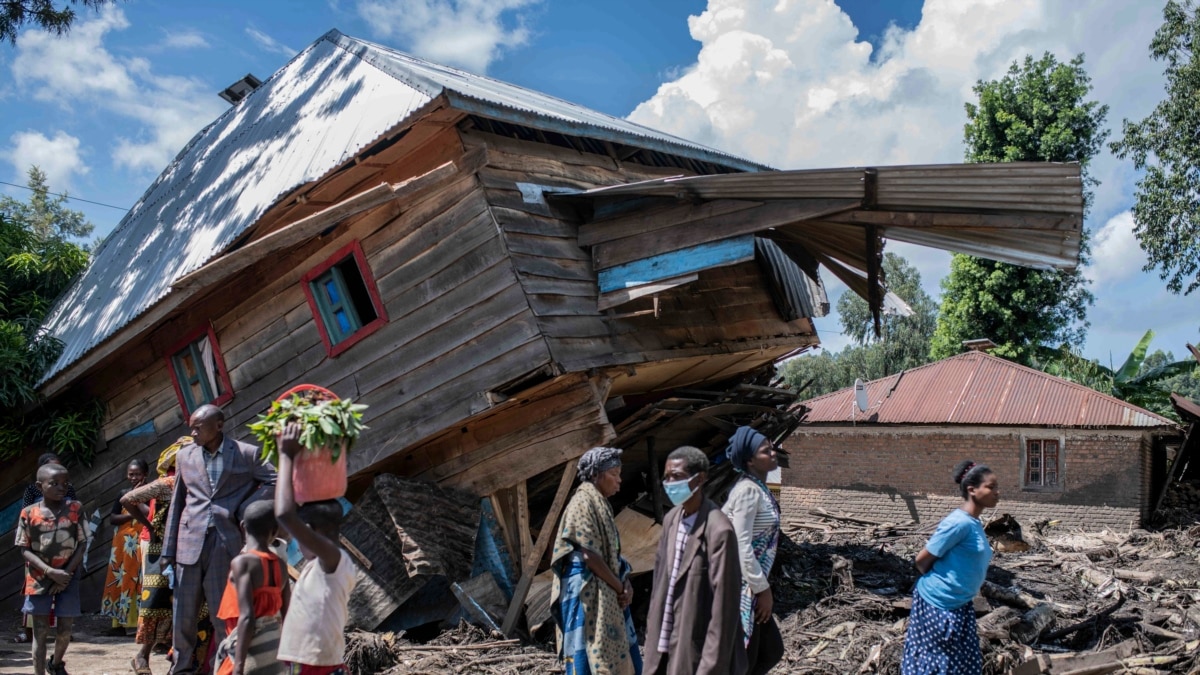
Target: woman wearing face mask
(942, 636)
(591, 593)
(754, 512)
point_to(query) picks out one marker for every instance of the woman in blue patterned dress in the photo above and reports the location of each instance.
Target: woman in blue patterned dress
(942, 638)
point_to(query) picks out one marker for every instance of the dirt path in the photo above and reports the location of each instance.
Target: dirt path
(91, 652)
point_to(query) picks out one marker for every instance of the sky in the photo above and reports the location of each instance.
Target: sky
(793, 84)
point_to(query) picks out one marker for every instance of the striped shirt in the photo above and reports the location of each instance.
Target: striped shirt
(751, 512)
(668, 620)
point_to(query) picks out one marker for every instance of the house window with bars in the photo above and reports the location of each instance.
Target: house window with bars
(1043, 462)
(198, 371)
(344, 299)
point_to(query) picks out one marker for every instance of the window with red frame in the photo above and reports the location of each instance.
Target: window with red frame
(198, 371)
(344, 299)
(1041, 463)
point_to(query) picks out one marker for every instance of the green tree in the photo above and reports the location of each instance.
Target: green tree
(1166, 147)
(39, 258)
(46, 14)
(903, 342)
(1143, 380)
(1037, 112)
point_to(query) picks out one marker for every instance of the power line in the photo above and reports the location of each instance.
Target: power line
(64, 196)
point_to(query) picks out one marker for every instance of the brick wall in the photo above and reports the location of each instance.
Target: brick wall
(903, 473)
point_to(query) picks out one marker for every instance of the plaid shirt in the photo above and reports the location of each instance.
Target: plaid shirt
(214, 464)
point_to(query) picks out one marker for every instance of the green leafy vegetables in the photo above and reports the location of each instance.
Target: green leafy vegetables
(331, 424)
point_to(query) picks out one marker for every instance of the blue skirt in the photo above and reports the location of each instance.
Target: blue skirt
(940, 641)
(574, 618)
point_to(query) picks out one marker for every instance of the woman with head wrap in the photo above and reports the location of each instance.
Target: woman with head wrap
(154, 607)
(591, 593)
(754, 513)
(942, 636)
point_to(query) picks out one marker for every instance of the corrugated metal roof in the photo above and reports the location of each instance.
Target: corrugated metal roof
(318, 111)
(1028, 213)
(976, 388)
(508, 102)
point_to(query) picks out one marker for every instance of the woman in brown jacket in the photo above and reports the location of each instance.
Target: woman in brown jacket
(694, 624)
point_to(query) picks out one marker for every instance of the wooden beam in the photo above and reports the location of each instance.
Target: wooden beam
(675, 264)
(652, 220)
(545, 536)
(524, 539)
(1023, 221)
(716, 228)
(307, 228)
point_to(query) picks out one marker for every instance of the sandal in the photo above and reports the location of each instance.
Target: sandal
(139, 671)
(21, 639)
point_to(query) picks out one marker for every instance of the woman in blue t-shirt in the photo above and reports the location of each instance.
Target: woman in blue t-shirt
(942, 638)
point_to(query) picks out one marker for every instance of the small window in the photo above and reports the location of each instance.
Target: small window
(198, 371)
(1042, 463)
(344, 300)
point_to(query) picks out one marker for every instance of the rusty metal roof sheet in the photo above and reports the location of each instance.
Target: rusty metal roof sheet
(977, 388)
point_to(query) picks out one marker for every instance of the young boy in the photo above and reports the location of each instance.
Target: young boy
(52, 537)
(312, 642)
(256, 594)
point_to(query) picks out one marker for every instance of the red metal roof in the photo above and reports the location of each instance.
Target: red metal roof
(978, 388)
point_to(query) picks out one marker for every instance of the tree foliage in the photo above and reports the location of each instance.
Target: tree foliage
(1166, 147)
(45, 14)
(903, 341)
(1037, 112)
(39, 258)
(1143, 380)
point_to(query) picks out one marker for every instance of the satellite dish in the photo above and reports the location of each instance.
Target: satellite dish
(860, 395)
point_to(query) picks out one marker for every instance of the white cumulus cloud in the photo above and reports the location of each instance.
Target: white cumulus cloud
(1116, 255)
(469, 34)
(78, 71)
(790, 84)
(59, 156)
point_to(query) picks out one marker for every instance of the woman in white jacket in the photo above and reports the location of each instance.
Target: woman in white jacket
(754, 512)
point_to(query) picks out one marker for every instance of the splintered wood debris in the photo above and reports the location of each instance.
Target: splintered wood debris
(1057, 602)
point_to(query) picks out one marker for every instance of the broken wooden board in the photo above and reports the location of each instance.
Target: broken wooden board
(412, 532)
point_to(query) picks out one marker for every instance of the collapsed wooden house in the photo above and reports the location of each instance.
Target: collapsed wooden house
(507, 279)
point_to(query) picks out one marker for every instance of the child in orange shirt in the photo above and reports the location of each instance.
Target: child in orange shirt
(256, 596)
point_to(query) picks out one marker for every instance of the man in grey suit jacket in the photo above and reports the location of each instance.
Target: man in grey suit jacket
(215, 478)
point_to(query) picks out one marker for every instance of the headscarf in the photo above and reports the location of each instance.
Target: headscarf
(596, 461)
(166, 460)
(742, 446)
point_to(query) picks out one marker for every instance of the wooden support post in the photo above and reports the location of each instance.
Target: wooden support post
(655, 480)
(524, 539)
(545, 536)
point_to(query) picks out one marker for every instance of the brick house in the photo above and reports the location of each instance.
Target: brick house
(1061, 451)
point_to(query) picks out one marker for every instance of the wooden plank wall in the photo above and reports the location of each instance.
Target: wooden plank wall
(726, 310)
(459, 327)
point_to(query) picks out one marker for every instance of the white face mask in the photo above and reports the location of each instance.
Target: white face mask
(678, 491)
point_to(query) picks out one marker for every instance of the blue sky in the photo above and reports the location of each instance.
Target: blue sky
(793, 83)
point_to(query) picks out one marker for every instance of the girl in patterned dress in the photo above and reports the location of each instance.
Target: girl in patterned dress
(122, 585)
(942, 638)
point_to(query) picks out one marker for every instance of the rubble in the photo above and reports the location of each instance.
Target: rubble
(1063, 602)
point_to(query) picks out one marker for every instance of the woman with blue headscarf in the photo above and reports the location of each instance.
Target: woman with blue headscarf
(754, 512)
